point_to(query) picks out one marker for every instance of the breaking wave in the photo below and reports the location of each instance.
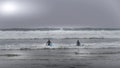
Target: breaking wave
(59, 34)
(59, 46)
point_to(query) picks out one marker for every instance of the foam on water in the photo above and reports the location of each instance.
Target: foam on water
(59, 34)
(59, 46)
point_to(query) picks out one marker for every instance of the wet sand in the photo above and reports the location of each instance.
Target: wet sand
(60, 58)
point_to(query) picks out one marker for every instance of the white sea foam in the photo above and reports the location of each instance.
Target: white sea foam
(59, 34)
(60, 46)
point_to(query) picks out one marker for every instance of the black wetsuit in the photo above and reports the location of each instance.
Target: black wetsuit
(78, 43)
(49, 43)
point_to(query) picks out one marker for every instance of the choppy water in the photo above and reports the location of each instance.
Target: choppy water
(65, 38)
(27, 48)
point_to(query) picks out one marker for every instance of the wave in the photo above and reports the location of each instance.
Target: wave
(50, 29)
(59, 46)
(58, 34)
(51, 38)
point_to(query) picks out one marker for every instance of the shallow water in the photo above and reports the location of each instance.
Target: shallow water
(60, 58)
(58, 43)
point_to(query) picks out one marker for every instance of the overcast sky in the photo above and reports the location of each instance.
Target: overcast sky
(59, 13)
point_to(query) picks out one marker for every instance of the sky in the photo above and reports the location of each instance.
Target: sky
(59, 13)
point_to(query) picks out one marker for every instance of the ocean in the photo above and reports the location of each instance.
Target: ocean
(60, 37)
(26, 48)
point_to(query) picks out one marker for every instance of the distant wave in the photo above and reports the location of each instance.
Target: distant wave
(50, 38)
(108, 29)
(52, 29)
(59, 34)
(29, 29)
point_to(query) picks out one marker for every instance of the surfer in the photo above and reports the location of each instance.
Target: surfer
(78, 43)
(49, 43)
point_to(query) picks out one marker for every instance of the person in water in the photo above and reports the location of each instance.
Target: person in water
(49, 43)
(78, 43)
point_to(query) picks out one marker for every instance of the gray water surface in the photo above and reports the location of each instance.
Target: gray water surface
(60, 58)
